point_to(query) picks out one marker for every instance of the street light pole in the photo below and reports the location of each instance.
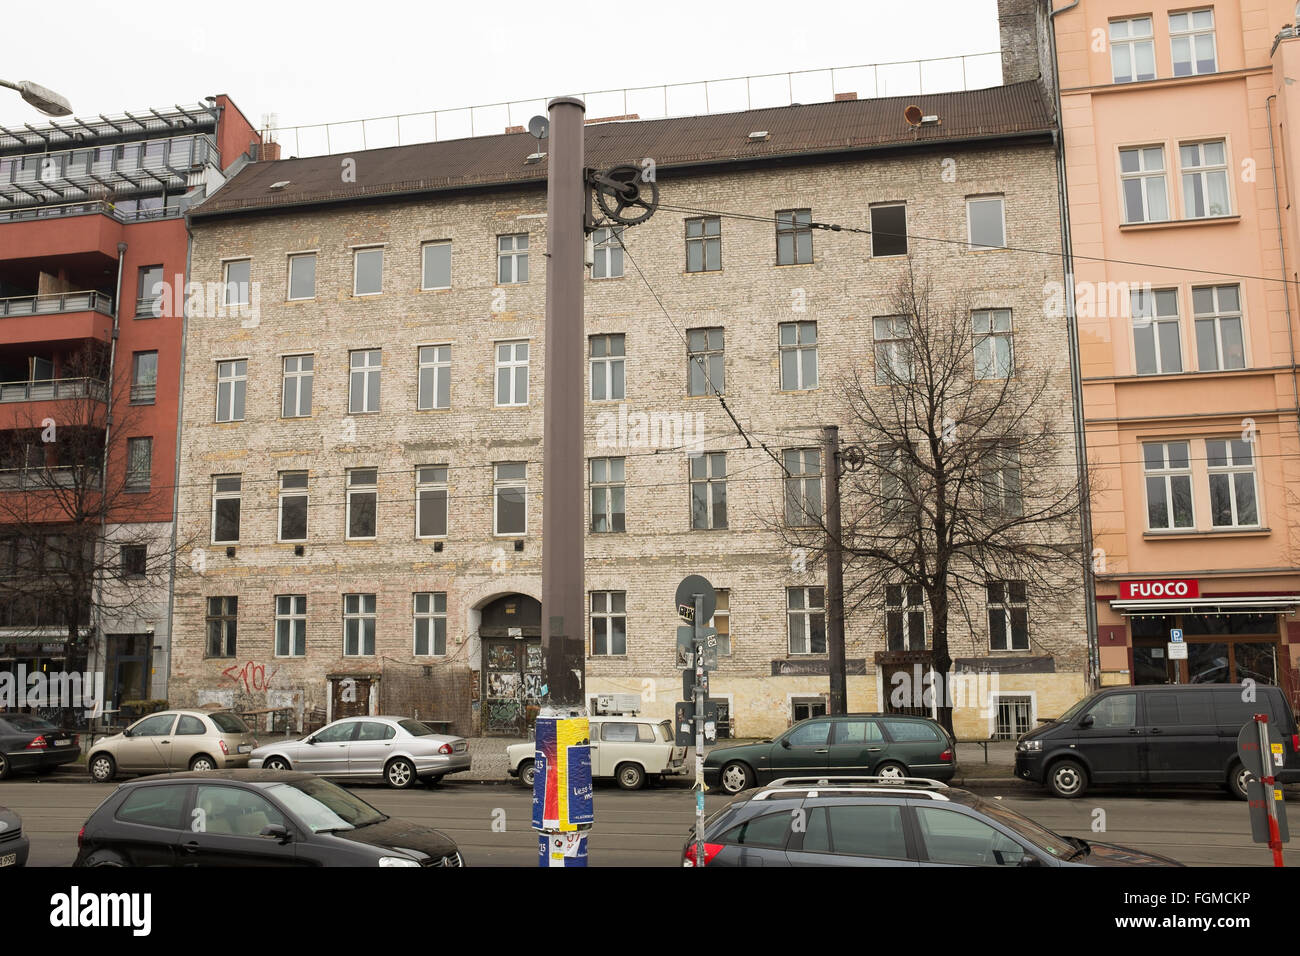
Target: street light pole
(43, 99)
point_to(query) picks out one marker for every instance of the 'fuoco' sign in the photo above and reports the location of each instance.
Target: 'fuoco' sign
(1155, 590)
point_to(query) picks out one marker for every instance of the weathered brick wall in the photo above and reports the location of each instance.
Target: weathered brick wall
(844, 287)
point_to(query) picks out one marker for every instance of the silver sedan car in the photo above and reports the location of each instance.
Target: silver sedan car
(397, 750)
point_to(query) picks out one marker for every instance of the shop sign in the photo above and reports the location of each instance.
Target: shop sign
(1159, 590)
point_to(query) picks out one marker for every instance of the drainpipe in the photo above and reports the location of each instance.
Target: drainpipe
(102, 545)
(1281, 251)
(1076, 374)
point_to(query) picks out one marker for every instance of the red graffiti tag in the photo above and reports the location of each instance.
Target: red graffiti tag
(252, 674)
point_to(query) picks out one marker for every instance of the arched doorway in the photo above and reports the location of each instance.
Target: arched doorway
(510, 634)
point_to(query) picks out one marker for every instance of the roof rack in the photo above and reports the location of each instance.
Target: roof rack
(814, 786)
(834, 781)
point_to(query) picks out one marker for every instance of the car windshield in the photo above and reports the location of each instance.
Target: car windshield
(325, 807)
(1036, 834)
(25, 722)
(1073, 711)
(415, 728)
(229, 723)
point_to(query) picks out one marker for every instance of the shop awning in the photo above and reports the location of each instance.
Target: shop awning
(1210, 605)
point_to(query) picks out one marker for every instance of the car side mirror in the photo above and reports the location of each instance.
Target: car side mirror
(310, 740)
(127, 732)
(1087, 721)
(785, 743)
(277, 832)
(1030, 860)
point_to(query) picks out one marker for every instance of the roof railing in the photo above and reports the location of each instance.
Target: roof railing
(56, 302)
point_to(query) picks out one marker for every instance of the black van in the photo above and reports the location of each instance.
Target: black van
(1155, 734)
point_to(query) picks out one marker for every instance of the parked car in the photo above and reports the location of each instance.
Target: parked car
(1155, 734)
(252, 818)
(173, 740)
(882, 745)
(888, 821)
(13, 845)
(628, 749)
(396, 750)
(31, 743)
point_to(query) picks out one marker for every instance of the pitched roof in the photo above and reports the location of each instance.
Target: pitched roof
(1017, 109)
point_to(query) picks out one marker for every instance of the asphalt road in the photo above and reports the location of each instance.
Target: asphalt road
(648, 828)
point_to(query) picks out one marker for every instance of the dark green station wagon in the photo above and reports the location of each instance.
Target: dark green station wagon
(880, 745)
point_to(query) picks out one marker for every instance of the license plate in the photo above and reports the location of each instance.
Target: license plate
(245, 748)
(9, 860)
(63, 743)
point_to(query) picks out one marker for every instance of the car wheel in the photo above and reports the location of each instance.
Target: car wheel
(737, 776)
(1067, 778)
(526, 773)
(275, 763)
(891, 770)
(105, 858)
(103, 768)
(1238, 777)
(4, 767)
(203, 762)
(630, 776)
(400, 774)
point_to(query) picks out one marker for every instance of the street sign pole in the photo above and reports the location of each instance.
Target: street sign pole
(1268, 779)
(699, 732)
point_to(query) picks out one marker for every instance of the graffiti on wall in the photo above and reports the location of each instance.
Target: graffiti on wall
(251, 674)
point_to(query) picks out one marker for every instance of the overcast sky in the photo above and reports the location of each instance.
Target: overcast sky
(342, 60)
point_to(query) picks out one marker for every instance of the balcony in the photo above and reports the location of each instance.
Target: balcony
(83, 315)
(39, 479)
(54, 388)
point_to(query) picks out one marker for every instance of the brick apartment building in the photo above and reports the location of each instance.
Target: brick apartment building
(362, 412)
(93, 256)
(1179, 152)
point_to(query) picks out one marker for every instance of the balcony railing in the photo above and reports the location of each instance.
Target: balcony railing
(78, 173)
(60, 476)
(123, 212)
(56, 302)
(144, 394)
(43, 390)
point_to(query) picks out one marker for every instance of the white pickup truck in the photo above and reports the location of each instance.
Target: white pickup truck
(628, 749)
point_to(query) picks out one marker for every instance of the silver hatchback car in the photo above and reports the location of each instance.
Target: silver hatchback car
(396, 750)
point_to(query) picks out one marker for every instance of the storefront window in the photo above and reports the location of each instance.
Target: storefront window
(1257, 661)
(1230, 624)
(1153, 626)
(1207, 663)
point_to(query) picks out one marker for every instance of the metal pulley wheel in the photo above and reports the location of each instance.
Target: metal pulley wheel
(624, 196)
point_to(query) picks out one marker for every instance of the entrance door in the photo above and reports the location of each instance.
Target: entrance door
(511, 634)
(128, 667)
(351, 696)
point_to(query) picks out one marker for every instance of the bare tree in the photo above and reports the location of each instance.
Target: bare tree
(960, 475)
(81, 540)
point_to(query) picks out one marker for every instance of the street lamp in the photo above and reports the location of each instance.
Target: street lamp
(45, 100)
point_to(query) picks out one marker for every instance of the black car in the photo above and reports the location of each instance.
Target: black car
(879, 821)
(30, 743)
(1156, 734)
(251, 818)
(13, 845)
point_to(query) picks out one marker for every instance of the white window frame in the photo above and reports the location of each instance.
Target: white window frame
(807, 612)
(234, 373)
(881, 207)
(134, 473)
(906, 609)
(608, 614)
(971, 244)
(1007, 606)
(1145, 177)
(1190, 34)
(708, 359)
(350, 489)
(1201, 173)
(511, 252)
(296, 619)
(437, 368)
(1166, 474)
(987, 333)
(798, 347)
(297, 376)
(1218, 316)
(431, 483)
(361, 615)
(604, 245)
(722, 615)
(508, 366)
(225, 283)
(499, 485)
(608, 485)
(1129, 41)
(709, 480)
(365, 371)
(236, 495)
(357, 252)
(803, 488)
(1232, 469)
(288, 291)
(285, 493)
(424, 264)
(1145, 310)
(602, 366)
(703, 238)
(430, 618)
(889, 345)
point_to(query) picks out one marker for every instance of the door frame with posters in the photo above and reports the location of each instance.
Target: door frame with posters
(510, 635)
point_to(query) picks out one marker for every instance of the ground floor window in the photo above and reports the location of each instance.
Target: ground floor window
(1015, 716)
(801, 708)
(1221, 648)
